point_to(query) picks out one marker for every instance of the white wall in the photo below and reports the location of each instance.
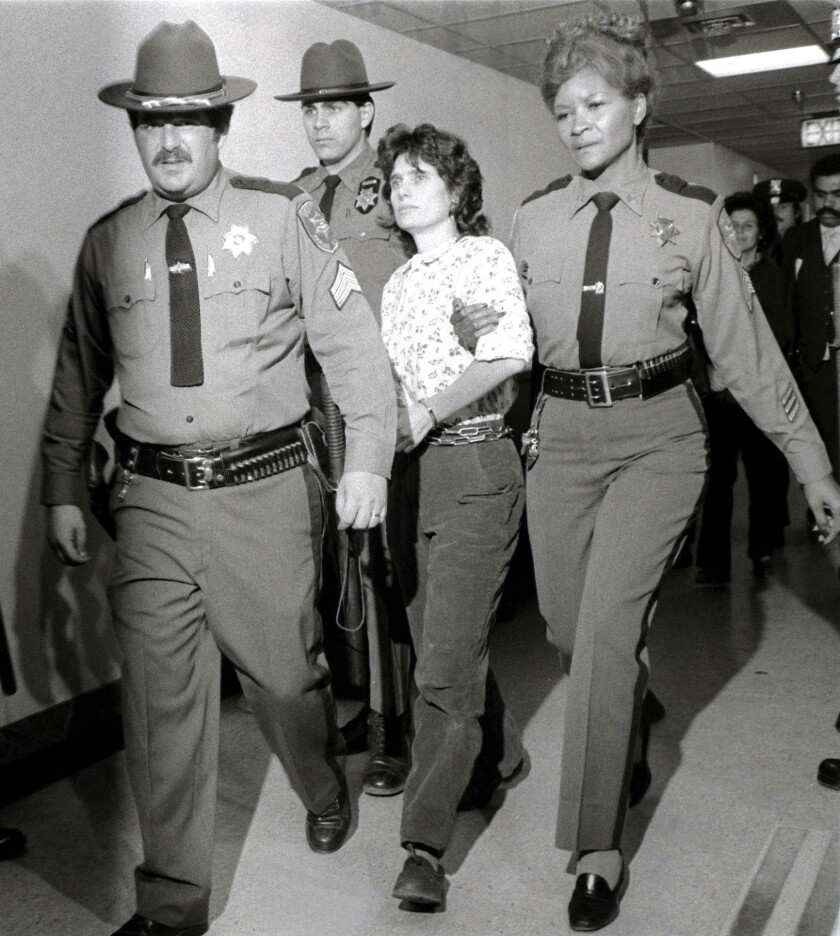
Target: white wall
(710, 164)
(65, 159)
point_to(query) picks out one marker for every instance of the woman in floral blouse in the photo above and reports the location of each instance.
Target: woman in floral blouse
(456, 492)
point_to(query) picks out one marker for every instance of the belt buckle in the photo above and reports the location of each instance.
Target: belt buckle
(599, 375)
(203, 475)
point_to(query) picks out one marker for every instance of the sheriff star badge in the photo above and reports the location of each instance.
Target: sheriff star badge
(664, 230)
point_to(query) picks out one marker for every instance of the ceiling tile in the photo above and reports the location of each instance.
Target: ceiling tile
(532, 51)
(534, 24)
(440, 38)
(384, 14)
(492, 58)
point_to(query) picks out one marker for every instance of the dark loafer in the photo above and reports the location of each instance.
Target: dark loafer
(384, 775)
(829, 773)
(419, 882)
(12, 843)
(327, 831)
(594, 903)
(139, 925)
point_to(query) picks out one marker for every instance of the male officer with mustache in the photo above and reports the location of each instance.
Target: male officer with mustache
(198, 295)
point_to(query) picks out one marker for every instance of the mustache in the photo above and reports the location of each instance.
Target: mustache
(165, 155)
(828, 213)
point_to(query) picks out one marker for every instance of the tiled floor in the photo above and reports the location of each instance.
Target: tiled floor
(735, 838)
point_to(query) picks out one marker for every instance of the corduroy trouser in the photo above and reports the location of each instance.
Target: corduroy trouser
(196, 572)
(453, 522)
(611, 492)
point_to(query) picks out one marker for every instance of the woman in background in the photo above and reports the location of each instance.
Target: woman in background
(733, 433)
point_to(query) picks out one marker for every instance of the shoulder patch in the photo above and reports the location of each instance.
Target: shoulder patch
(124, 204)
(673, 183)
(316, 227)
(266, 185)
(551, 187)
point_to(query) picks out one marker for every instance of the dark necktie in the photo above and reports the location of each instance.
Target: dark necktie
(591, 320)
(331, 183)
(186, 365)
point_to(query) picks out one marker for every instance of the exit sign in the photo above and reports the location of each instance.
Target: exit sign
(820, 131)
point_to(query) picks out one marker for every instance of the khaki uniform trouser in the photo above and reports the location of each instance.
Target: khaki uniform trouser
(607, 500)
(197, 572)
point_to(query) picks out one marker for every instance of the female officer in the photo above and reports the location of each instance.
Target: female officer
(610, 259)
(456, 493)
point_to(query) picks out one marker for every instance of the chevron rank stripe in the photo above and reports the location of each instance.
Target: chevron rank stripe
(790, 403)
(344, 284)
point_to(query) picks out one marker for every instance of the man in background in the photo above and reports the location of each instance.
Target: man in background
(338, 112)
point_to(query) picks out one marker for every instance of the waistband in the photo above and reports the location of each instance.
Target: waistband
(466, 434)
(202, 468)
(603, 386)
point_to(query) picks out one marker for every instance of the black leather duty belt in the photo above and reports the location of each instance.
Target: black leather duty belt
(198, 469)
(603, 386)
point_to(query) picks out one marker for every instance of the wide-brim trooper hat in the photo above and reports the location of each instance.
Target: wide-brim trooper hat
(176, 71)
(780, 190)
(331, 72)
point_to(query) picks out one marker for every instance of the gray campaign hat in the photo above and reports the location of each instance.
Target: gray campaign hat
(176, 71)
(331, 72)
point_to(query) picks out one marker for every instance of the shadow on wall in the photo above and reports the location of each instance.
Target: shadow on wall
(58, 618)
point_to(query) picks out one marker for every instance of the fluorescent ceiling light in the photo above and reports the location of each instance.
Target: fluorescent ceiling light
(764, 61)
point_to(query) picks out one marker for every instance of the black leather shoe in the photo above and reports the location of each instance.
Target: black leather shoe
(385, 773)
(142, 926)
(829, 773)
(594, 903)
(641, 777)
(12, 843)
(327, 831)
(419, 882)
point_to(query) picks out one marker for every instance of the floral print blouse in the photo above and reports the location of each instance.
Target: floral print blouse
(421, 342)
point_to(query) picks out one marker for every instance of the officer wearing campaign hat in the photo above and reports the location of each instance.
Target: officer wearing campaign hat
(785, 196)
(338, 112)
(192, 293)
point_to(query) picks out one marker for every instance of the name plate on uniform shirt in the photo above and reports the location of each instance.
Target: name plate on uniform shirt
(820, 131)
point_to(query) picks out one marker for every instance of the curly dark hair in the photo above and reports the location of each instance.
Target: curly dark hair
(763, 211)
(449, 156)
(616, 46)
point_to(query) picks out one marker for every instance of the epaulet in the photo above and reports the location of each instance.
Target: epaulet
(125, 204)
(551, 187)
(678, 186)
(266, 185)
(306, 172)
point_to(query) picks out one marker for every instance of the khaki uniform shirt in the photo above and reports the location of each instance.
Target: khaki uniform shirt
(269, 271)
(358, 213)
(670, 240)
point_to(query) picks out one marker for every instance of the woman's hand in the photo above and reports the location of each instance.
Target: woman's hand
(413, 425)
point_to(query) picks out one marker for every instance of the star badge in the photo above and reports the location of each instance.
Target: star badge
(239, 240)
(664, 230)
(365, 200)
